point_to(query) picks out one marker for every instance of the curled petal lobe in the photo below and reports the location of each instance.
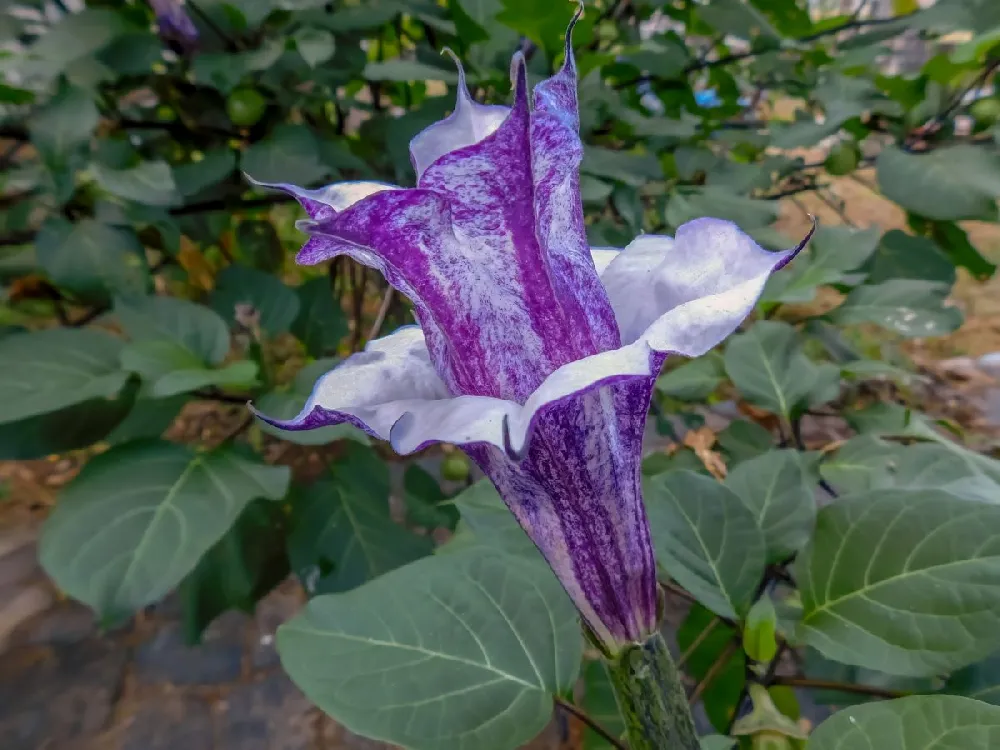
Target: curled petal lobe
(470, 123)
(324, 202)
(685, 294)
(373, 388)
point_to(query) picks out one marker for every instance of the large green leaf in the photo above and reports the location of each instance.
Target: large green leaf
(92, 260)
(980, 680)
(342, 534)
(905, 256)
(75, 36)
(706, 640)
(929, 558)
(195, 176)
(171, 369)
(276, 303)
(491, 523)
(452, 652)
(862, 463)
(321, 324)
(191, 326)
(947, 184)
(631, 168)
(909, 307)
(767, 365)
(706, 539)
(919, 722)
(66, 121)
(720, 203)
(46, 371)
(695, 380)
(780, 491)
(139, 517)
(287, 402)
(241, 568)
(289, 154)
(151, 182)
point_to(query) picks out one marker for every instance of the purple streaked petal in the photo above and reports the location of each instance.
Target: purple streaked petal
(556, 153)
(687, 293)
(373, 388)
(470, 123)
(174, 22)
(323, 202)
(577, 494)
(463, 248)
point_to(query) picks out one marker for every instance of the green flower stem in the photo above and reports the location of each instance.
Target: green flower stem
(651, 697)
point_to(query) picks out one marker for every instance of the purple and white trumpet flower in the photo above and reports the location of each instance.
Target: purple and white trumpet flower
(535, 353)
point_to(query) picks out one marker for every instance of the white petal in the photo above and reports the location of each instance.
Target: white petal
(470, 123)
(338, 195)
(685, 294)
(371, 389)
(603, 256)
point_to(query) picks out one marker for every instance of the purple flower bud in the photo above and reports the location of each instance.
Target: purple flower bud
(174, 22)
(535, 353)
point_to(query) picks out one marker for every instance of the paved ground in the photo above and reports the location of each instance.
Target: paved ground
(64, 686)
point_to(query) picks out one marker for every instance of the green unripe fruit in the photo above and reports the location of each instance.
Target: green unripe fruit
(455, 467)
(985, 111)
(245, 107)
(842, 159)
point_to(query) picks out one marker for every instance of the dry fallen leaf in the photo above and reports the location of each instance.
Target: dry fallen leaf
(701, 442)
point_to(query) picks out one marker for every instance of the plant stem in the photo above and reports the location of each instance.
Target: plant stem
(587, 719)
(844, 687)
(651, 698)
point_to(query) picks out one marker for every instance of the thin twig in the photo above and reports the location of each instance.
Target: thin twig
(844, 687)
(697, 642)
(713, 672)
(228, 205)
(583, 716)
(383, 310)
(223, 398)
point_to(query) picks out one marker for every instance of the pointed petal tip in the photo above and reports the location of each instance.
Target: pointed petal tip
(463, 88)
(519, 77)
(790, 255)
(568, 61)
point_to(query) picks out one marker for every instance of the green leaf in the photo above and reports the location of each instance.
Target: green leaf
(289, 154)
(57, 368)
(214, 166)
(706, 539)
(542, 23)
(759, 639)
(736, 18)
(633, 169)
(66, 121)
(742, 440)
(426, 503)
(954, 241)
(720, 203)
(407, 70)
(947, 184)
(830, 258)
(601, 705)
(76, 35)
(151, 182)
(286, 403)
(768, 367)
(189, 325)
(777, 489)
(919, 722)
(694, 380)
(980, 681)
(321, 324)
(467, 656)
(342, 534)
(862, 463)
(259, 245)
(930, 558)
(276, 303)
(904, 256)
(171, 369)
(911, 308)
(492, 524)
(132, 53)
(315, 45)
(67, 429)
(239, 570)
(139, 517)
(92, 260)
